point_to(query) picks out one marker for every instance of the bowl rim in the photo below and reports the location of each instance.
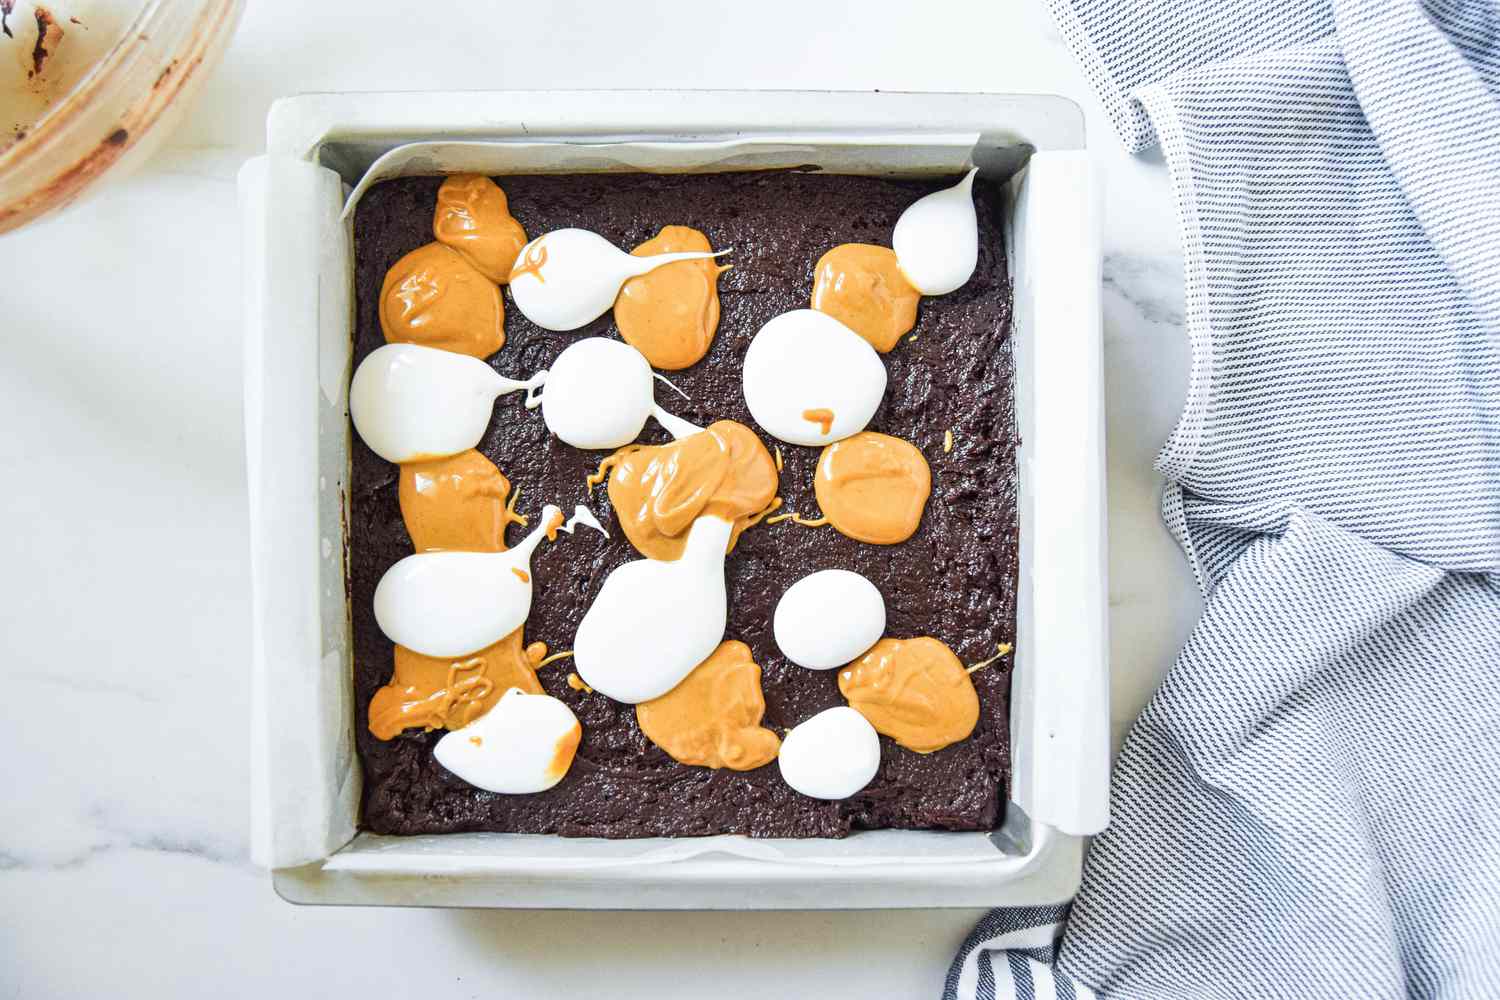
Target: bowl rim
(111, 107)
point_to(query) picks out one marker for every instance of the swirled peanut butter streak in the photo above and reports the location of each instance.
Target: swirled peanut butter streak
(457, 503)
(913, 690)
(873, 487)
(671, 314)
(659, 491)
(434, 297)
(473, 217)
(712, 718)
(861, 286)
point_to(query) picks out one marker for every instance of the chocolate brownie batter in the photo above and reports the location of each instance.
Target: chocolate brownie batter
(955, 579)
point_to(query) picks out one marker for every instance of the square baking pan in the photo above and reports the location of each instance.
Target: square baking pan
(323, 151)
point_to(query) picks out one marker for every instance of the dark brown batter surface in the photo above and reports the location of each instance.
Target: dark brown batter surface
(955, 579)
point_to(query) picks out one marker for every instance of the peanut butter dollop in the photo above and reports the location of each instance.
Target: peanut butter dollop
(429, 692)
(456, 503)
(434, 297)
(473, 217)
(861, 286)
(670, 314)
(873, 487)
(712, 719)
(659, 491)
(913, 690)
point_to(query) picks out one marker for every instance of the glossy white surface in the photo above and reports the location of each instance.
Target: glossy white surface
(411, 402)
(125, 571)
(654, 621)
(937, 239)
(457, 603)
(828, 618)
(831, 755)
(806, 361)
(512, 748)
(565, 279)
(597, 394)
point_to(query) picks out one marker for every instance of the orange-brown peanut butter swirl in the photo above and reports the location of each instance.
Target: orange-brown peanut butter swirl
(456, 503)
(873, 487)
(657, 492)
(473, 217)
(822, 416)
(913, 690)
(670, 314)
(861, 286)
(564, 752)
(430, 692)
(712, 719)
(434, 297)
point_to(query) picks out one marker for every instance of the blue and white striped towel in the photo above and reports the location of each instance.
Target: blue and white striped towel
(1310, 805)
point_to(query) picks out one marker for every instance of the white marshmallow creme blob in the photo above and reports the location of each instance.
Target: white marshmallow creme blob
(810, 380)
(570, 277)
(525, 744)
(828, 619)
(654, 621)
(598, 394)
(937, 239)
(410, 402)
(454, 603)
(830, 756)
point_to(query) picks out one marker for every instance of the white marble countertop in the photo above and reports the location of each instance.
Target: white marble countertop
(125, 619)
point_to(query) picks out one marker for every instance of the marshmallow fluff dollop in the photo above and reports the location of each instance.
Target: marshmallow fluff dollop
(598, 394)
(654, 621)
(453, 603)
(828, 618)
(832, 755)
(410, 402)
(525, 744)
(810, 380)
(570, 277)
(937, 239)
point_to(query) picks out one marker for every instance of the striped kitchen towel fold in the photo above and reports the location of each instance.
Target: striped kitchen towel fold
(1310, 805)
